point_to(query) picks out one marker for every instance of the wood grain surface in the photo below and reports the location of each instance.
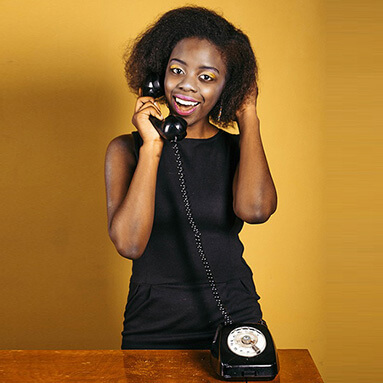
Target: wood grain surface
(138, 366)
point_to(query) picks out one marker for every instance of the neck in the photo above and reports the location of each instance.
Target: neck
(206, 130)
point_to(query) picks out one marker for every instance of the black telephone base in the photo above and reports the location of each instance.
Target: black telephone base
(246, 373)
(229, 364)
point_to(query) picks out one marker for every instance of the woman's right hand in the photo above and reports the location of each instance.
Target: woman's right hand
(145, 107)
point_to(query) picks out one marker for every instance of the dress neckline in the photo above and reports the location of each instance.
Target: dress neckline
(203, 139)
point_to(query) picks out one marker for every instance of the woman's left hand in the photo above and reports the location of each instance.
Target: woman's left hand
(249, 106)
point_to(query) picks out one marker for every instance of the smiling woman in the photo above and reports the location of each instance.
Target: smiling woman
(208, 72)
(194, 79)
(151, 50)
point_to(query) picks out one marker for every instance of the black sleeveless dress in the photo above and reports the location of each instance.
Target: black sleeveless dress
(170, 303)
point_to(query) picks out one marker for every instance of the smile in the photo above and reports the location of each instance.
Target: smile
(184, 106)
(180, 101)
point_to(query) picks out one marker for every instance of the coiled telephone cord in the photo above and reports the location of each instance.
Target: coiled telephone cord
(197, 235)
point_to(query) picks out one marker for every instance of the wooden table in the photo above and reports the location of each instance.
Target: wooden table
(143, 366)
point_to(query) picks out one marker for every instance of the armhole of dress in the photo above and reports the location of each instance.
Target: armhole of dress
(137, 144)
(234, 142)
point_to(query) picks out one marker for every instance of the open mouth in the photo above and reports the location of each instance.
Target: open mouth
(184, 106)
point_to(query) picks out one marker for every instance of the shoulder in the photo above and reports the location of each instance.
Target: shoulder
(231, 139)
(122, 149)
(232, 147)
(123, 142)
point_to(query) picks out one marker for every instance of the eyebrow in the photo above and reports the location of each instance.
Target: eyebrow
(201, 67)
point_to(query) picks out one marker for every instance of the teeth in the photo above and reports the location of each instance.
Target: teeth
(185, 103)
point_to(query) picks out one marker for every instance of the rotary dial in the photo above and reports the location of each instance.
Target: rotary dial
(246, 341)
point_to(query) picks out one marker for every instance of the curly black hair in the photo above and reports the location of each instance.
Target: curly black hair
(151, 50)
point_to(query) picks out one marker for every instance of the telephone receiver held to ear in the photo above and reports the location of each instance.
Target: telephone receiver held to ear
(172, 128)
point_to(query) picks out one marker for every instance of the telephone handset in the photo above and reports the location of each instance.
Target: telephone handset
(239, 350)
(172, 128)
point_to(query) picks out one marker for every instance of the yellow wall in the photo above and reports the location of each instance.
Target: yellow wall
(64, 98)
(353, 190)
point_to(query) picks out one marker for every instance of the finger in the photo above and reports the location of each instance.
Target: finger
(151, 103)
(143, 100)
(149, 109)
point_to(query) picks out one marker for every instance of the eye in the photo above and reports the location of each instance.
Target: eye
(176, 70)
(207, 77)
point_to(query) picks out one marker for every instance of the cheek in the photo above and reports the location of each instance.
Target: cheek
(214, 96)
(167, 86)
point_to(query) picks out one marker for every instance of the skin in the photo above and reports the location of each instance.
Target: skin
(195, 70)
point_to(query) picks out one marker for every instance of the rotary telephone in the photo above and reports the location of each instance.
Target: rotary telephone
(239, 350)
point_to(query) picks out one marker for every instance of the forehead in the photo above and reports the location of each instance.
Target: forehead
(198, 52)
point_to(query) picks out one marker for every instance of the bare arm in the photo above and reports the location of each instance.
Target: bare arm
(130, 186)
(255, 197)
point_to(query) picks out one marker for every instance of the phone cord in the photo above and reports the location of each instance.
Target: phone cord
(197, 235)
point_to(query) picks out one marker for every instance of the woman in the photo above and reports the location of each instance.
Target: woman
(209, 76)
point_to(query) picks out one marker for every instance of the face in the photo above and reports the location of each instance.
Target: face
(194, 79)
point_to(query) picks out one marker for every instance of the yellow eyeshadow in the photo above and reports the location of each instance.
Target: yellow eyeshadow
(174, 66)
(212, 75)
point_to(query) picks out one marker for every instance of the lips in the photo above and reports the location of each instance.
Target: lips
(184, 105)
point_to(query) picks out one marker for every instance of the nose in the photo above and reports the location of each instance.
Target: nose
(188, 84)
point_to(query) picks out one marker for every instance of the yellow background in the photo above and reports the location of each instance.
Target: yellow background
(64, 97)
